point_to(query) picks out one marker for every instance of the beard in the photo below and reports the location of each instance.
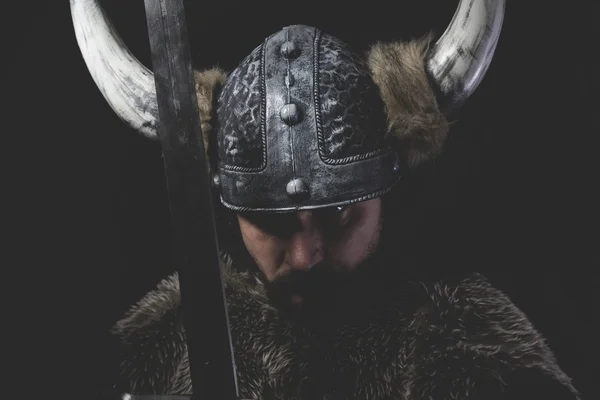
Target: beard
(324, 293)
(304, 294)
(327, 293)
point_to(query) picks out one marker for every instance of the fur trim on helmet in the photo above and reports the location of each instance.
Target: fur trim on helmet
(208, 83)
(414, 116)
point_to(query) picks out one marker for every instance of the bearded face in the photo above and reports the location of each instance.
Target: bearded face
(307, 256)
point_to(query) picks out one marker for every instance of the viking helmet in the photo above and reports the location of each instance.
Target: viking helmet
(304, 122)
(300, 124)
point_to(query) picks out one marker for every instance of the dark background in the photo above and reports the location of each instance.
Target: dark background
(514, 194)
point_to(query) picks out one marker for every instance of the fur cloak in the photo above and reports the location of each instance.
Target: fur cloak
(414, 341)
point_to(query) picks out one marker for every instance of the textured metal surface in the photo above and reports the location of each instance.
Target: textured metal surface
(297, 188)
(290, 114)
(461, 57)
(302, 106)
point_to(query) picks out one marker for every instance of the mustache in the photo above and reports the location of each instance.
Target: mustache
(315, 285)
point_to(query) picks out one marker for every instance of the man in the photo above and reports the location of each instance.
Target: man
(307, 143)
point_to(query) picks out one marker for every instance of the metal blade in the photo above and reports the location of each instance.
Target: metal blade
(195, 247)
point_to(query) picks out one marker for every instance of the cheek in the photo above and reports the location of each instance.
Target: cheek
(351, 248)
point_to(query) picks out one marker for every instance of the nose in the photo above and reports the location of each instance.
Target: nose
(305, 246)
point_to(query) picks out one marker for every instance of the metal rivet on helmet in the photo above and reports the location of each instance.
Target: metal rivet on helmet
(297, 189)
(290, 49)
(396, 164)
(290, 114)
(216, 181)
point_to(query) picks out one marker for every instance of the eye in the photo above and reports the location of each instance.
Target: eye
(272, 223)
(340, 215)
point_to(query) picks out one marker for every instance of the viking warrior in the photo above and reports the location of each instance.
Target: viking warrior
(307, 144)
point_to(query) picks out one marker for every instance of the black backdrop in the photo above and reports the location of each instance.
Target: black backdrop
(514, 190)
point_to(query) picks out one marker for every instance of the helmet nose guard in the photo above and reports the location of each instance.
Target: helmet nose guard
(301, 125)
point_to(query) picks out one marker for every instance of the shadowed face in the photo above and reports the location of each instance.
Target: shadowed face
(303, 254)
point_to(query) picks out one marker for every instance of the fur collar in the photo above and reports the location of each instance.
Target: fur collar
(428, 341)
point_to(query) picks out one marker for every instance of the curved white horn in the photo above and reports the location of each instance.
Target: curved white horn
(461, 57)
(124, 81)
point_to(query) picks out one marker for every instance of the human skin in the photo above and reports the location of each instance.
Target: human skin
(342, 238)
